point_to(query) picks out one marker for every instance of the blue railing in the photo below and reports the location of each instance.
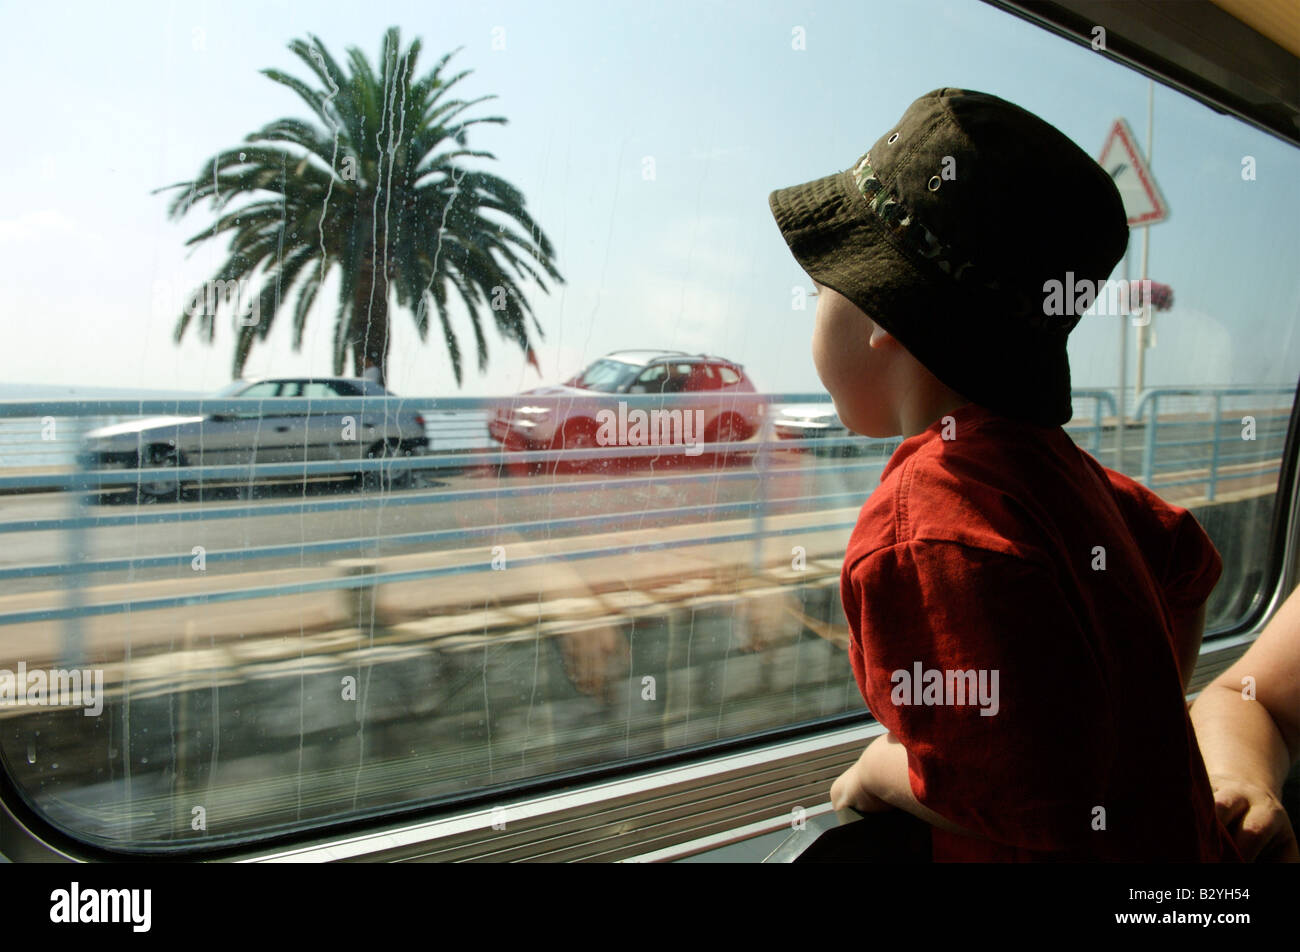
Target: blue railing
(1206, 458)
(76, 568)
(1101, 400)
(1201, 449)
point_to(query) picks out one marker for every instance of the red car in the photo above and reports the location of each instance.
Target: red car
(584, 412)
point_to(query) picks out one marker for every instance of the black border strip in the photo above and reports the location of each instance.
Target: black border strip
(1055, 18)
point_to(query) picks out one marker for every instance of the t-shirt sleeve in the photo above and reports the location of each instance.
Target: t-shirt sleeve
(1183, 560)
(1024, 762)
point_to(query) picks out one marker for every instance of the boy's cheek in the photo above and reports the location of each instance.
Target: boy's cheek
(820, 353)
(866, 416)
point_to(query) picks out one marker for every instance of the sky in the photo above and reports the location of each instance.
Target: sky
(111, 102)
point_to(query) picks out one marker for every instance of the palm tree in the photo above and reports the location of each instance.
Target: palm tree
(377, 191)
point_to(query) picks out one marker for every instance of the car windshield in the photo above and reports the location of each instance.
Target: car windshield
(607, 376)
(232, 389)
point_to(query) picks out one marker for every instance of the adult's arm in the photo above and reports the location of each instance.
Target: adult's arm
(1247, 724)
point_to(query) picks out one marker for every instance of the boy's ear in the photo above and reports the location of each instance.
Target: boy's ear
(879, 336)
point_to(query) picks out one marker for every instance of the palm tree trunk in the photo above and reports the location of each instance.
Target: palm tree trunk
(370, 318)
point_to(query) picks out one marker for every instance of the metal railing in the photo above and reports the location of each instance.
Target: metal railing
(1191, 455)
(79, 481)
(1252, 447)
(1101, 400)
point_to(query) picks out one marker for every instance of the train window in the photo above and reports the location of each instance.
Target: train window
(538, 557)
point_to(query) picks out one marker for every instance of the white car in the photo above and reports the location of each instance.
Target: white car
(265, 436)
(815, 421)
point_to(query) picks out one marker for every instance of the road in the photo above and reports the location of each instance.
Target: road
(455, 523)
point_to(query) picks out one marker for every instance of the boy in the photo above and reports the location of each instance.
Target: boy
(1024, 620)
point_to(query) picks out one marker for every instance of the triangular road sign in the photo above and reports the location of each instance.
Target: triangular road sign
(1123, 161)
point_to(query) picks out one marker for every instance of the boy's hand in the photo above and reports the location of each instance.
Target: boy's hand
(848, 790)
(880, 781)
(1256, 819)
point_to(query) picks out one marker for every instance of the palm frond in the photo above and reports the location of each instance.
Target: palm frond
(373, 181)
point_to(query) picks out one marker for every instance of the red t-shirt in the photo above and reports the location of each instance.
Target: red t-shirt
(1008, 554)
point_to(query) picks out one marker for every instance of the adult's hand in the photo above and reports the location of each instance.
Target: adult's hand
(1256, 819)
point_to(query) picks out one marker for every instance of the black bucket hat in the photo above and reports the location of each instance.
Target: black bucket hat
(945, 234)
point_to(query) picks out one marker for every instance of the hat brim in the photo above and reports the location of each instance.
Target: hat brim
(960, 335)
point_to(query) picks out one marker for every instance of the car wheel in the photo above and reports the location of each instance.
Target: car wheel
(159, 488)
(727, 428)
(384, 478)
(576, 435)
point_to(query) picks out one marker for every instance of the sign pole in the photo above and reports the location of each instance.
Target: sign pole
(1143, 206)
(1146, 250)
(1123, 380)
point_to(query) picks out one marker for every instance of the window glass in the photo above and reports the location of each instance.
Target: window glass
(679, 378)
(653, 379)
(261, 391)
(702, 377)
(496, 578)
(606, 376)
